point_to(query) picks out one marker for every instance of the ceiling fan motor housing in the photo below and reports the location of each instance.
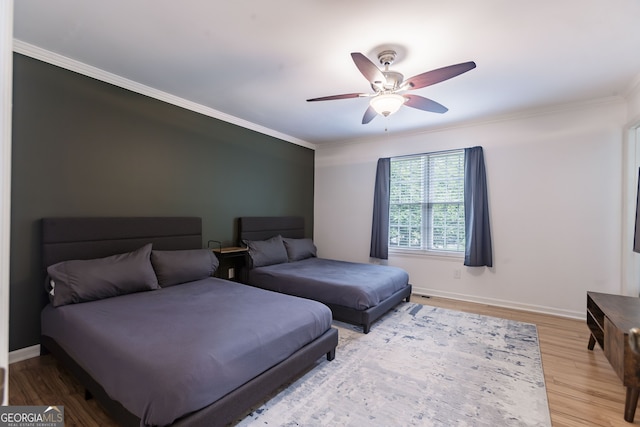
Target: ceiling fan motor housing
(393, 79)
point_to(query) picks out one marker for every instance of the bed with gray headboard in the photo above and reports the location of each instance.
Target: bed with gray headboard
(135, 315)
(281, 259)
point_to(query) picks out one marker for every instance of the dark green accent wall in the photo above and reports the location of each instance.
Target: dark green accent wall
(82, 147)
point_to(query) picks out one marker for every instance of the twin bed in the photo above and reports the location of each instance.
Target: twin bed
(283, 260)
(135, 315)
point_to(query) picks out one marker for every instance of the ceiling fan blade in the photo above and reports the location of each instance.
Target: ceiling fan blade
(422, 103)
(368, 68)
(368, 115)
(436, 76)
(329, 98)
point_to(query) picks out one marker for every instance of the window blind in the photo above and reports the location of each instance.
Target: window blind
(427, 202)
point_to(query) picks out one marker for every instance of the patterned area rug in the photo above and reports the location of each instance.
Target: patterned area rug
(421, 366)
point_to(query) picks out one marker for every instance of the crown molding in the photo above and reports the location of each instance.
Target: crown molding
(114, 79)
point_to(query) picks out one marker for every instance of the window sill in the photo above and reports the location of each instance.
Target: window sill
(450, 256)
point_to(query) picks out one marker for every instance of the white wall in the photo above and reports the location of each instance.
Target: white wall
(6, 72)
(555, 194)
(633, 102)
(631, 164)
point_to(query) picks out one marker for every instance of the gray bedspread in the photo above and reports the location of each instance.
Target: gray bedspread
(168, 352)
(354, 285)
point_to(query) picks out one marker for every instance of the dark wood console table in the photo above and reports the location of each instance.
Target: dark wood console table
(610, 317)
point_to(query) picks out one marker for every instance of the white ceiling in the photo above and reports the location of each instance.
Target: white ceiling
(259, 60)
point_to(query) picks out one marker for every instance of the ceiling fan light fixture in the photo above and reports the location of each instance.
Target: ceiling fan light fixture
(387, 103)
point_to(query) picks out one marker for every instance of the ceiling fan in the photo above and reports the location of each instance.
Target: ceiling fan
(389, 86)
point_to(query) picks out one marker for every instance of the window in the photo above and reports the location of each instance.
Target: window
(426, 203)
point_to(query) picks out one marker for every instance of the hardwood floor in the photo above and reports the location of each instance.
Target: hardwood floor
(42, 381)
(582, 388)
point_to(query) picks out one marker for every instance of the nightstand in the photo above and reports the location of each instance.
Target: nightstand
(232, 260)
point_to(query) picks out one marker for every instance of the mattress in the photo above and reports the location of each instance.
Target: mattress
(165, 353)
(354, 285)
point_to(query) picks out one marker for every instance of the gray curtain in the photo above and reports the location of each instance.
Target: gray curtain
(380, 226)
(478, 251)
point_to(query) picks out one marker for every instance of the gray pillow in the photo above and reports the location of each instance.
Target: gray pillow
(298, 249)
(267, 252)
(175, 267)
(77, 281)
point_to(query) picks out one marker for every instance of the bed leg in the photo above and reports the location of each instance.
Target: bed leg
(331, 355)
(366, 328)
(408, 298)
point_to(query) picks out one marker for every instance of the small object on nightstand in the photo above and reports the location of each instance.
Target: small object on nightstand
(232, 260)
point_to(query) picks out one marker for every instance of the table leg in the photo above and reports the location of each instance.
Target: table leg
(630, 403)
(592, 342)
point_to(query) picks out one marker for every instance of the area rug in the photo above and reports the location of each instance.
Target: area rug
(420, 366)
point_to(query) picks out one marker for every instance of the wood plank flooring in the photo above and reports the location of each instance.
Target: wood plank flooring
(582, 388)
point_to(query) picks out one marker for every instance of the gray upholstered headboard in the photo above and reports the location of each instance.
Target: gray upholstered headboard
(96, 237)
(264, 227)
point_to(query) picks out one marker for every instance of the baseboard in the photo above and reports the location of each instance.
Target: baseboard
(24, 353)
(500, 303)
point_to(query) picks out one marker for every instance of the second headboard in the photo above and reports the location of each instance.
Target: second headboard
(265, 227)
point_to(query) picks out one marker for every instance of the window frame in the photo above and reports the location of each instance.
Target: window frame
(427, 212)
